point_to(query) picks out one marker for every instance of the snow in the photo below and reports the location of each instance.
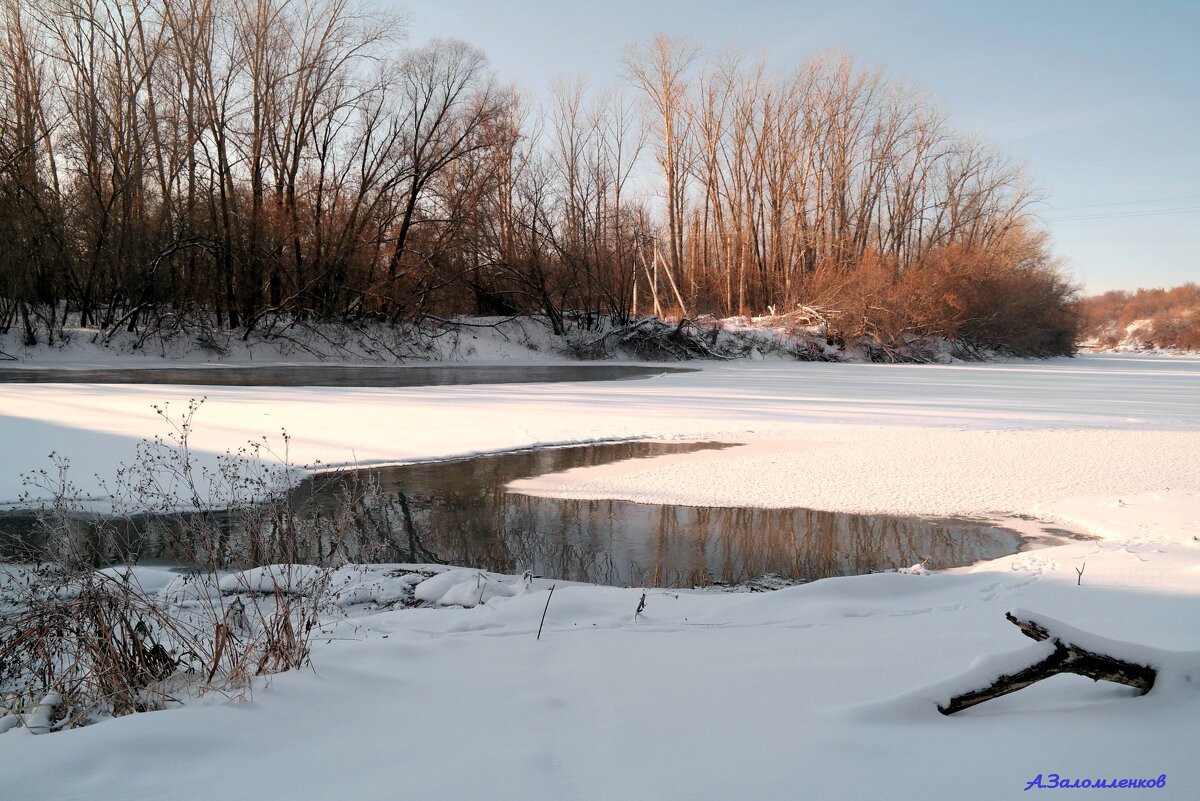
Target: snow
(824, 690)
(191, 590)
(984, 670)
(1171, 667)
(475, 591)
(287, 579)
(466, 588)
(372, 588)
(981, 436)
(1088, 641)
(147, 579)
(816, 691)
(478, 340)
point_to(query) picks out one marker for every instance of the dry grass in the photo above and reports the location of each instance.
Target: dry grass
(79, 643)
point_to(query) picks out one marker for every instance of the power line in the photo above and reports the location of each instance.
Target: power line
(1175, 199)
(1126, 214)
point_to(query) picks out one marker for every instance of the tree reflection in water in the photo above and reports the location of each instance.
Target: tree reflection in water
(458, 512)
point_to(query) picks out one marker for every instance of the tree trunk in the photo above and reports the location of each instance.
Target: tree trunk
(1067, 657)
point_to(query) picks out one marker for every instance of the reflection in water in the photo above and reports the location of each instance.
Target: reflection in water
(613, 542)
(457, 512)
(337, 375)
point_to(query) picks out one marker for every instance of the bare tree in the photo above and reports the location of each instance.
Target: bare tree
(245, 162)
(449, 102)
(660, 69)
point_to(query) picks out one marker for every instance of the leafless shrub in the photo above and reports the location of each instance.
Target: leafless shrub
(96, 644)
(1163, 318)
(1011, 300)
(92, 640)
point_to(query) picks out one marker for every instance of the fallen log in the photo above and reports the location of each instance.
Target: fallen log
(1073, 652)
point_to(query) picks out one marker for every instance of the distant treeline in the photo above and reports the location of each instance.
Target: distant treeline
(247, 160)
(1152, 318)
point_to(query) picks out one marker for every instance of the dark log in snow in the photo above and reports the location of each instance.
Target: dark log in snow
(1074, 652)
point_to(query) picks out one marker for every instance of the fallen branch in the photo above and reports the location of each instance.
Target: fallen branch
(1067, 656)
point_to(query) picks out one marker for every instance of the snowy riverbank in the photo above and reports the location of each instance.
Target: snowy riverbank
(817, 691)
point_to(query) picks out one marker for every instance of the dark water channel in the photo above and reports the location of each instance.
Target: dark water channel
(458, 512)
(337, 375)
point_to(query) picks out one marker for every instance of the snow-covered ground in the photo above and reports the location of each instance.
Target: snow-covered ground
(818, 691)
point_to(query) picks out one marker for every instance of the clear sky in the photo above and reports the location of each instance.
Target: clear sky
(1101, 100)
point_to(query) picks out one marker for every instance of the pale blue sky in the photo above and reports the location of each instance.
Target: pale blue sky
(1101, 100)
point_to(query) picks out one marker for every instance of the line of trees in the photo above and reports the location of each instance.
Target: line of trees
(246, 161)
(832, 186)
(1148, 318)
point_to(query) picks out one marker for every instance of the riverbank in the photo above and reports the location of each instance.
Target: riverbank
(474, 340)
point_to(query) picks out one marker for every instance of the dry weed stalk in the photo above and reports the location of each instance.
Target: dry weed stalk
(79, 643)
